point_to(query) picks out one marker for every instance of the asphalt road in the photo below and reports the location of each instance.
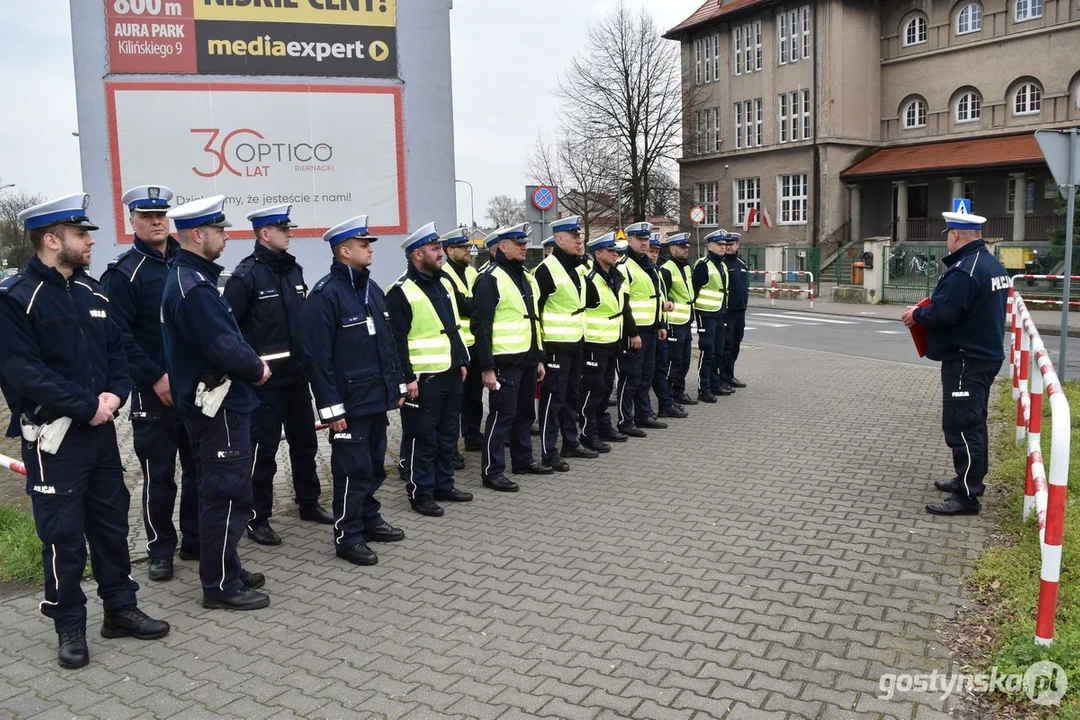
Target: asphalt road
(861, 337)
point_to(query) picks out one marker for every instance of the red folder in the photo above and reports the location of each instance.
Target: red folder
(918, 332)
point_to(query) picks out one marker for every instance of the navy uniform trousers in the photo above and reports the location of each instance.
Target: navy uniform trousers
(289, 406)
(711, 344)
(429, 428)
(159, 434)
(222, 449)
(965, 391)
(357, 454)
(596, 382)
(661, 379)
(472, 407)
(558, 400)
(636, 370)
(734, 329)
(510, 415)
(78, 497)
(679, 353)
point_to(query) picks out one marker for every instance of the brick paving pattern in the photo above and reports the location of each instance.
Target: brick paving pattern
(767, 558)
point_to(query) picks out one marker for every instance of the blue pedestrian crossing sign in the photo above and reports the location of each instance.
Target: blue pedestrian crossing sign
(961, 205)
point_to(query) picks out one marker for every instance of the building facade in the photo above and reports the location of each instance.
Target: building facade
(844, 119)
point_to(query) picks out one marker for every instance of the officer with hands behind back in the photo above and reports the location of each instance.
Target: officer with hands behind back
(64, 376)
(738, 296)
(458, 276)
(710, 278)
(676, 273)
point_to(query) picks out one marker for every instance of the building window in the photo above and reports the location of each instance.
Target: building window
(747, 48)
(1027, 100)
(793, 116)
(969, 192)
(716, 129)
(697, 62)
(716, 57)
(805, 113)
(758, 124)
(706, 198)
(738, 126)
(758, 46)
(915, 31)
(748, 124)
(707, 124)
(1028, 10)
(736, 44)
(782, 115)
(781, 39)
(969, 19)
(1029, 201)
(747, 195)
(792, 192)
(707, 60)
(968, 107)
(804, 13)
(915, 114)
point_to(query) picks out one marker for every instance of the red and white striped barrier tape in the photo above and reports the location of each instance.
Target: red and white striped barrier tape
(772, 291)
(12, 464)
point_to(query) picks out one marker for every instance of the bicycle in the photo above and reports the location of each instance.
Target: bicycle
(923, 265)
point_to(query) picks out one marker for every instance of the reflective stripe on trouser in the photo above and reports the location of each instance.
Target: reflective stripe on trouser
(157, 443)
(711, 345)
(289, 406)
(510, 415)
(636, 369)
(429, 424)
(661, 381)
(80, 496)
(357, 455)
(558, 400)
(734, 328)
(472, 405)
(679, 355)
(642, 404)
(965, 390)
(595, 391)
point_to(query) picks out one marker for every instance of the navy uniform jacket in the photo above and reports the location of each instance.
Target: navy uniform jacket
(966, 314)
(738, 291)
(201, 336)
(614, 280)
(266, 293)
(352, 371)
(653, 272)
(134, 283)
(401, 319)
(485, 300)
(700, 278)
(61, 347)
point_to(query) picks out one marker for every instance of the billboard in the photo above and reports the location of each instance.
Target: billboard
(329, 38)
(332, 151)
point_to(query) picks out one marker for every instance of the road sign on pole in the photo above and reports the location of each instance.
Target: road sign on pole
(543, 198)
(697, 215)
(1061, 148)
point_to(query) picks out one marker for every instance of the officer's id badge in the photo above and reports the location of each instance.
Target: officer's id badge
(370, 325)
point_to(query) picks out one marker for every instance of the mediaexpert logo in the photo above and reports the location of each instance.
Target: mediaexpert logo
(1044, 683)
(247, 153)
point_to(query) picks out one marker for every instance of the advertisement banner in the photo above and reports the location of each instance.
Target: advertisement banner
(327, 38)
(332, 151)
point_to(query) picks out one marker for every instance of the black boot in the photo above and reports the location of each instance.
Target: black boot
(459, 461)
(130, 621)
(247, 599)
(74, 652)
(316, 513)
(160, 569)
(263, 534)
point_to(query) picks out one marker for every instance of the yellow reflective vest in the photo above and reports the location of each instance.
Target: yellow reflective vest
(710, 297)
(451, 281)
(643, 294)
(429, 340)
(680, 294)
(563, 317)
(603, 324)
(512, 328)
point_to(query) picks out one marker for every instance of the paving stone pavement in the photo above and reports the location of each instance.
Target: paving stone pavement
(769, 557)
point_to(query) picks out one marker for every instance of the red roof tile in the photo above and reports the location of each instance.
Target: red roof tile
(710, 10)
(954, 155)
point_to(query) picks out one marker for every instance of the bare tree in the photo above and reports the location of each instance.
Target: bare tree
(504, 211)
(15, 247)
(581, 170)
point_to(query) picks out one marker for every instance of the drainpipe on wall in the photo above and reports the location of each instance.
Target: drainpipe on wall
(816, 239)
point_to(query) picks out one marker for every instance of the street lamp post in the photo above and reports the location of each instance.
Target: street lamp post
(472, 201)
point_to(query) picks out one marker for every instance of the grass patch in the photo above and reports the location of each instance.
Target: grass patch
(20, 549)
(1006, 577)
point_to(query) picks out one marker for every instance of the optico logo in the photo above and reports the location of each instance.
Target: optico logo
(247, 153)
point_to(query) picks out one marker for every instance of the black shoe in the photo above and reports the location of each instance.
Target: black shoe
(316, 513)
(556, 463)
(160, 569)
(706, 397)
(130, 621)
(424, 506)
(252, 580)
(188, 553)
(952, 486)
(246, 599)
(73, 652)
(597, 445)
(358, 554)
(724, 391)
(579, 451)
(685, 399)
(651, 423)
(534, 468)
(384, 533)
(263, 534)
(633, 431)
(453, 496)
(474, 445)
(614, 436)
(735, 382)
(501, 484)
(673, 412)
(459, 461)
(952, 506)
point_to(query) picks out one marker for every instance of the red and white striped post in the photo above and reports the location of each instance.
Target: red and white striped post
(1022, 381)
(772, 291)
(1034, 432)
(12, 464)
(1014, 357)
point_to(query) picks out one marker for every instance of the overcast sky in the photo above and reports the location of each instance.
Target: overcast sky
(507, 59)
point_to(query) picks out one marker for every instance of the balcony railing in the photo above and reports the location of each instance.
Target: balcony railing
(1036, 227)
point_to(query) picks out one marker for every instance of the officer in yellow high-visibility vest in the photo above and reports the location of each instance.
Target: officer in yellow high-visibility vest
(676, 274)
(458, 276)
(710, 278)
(509, 351)
(427, 332)
(661, 380)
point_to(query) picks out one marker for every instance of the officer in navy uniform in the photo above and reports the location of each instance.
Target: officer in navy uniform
(433, 358)
(134, 282)
(266, 292)
(509, 353)
(964, 323)
(548, 245)
(661, 382)
(349, 356)
(738, 296)
(64, 376)
(710, 304)
(676, 273)
(212, 375)
(458, 275)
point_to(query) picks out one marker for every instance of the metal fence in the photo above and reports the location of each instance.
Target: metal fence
(911, 271)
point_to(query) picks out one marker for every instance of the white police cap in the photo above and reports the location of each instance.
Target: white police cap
(66, 210)
(961, 218)
(273, 215)
(356, 227)
(654, 239)
(570, 224)
(606, 241)
(717, 236)
(148, 198)
(641, 229)
(550, 242)
(208, 211)
(517, 233)
(457, 236)
(678, 239)
(424, 236)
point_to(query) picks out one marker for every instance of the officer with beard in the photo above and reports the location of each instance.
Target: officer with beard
(677, 277)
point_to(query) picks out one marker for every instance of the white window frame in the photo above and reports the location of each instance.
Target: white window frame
(1010, 197)
(906, 114)
(717, 137)
(806, 121)
(699, 128)
(745, 194)
(736, 45)
(710, 206)
(716, 56)
(697, 61)
(782, 118)
(759, 124)
(781, 39)
(738, 124)
(969, 19)
(707, 60)
(758, 46)
(920, 33)
(792, 193)
(1032, 100)
(793, 35)
(804, 13)
(973, 110)
(1025, 10)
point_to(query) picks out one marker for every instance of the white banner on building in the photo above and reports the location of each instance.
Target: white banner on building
(331, 151)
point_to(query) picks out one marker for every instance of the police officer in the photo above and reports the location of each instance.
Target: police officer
(427, 330)
(661, 382)
(134, 282)
(212, 374)
(459, 276)
(636, 367)
(266, 292)
(676, 273)
(609, 325)
(64, 376)
(548, 246)
(509, 352)
(964, 323)
(710, 279)
(348, 353)
(562, 320)
(738, 294)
